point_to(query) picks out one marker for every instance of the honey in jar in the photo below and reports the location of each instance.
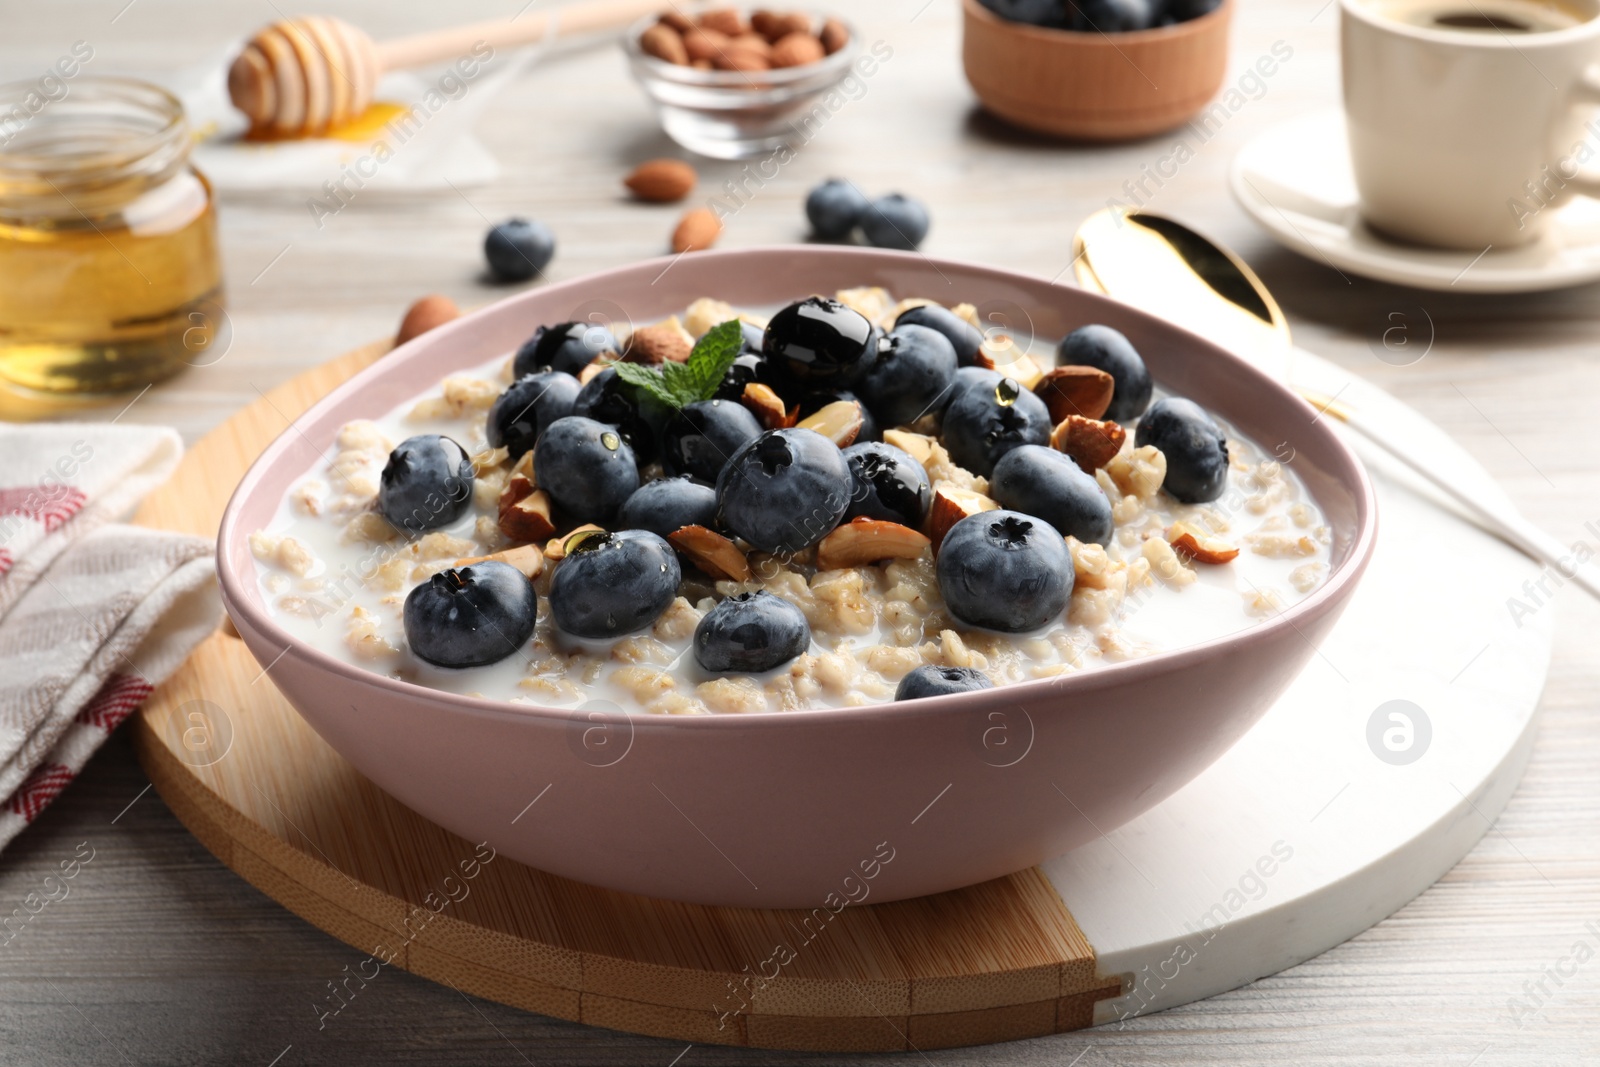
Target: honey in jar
(109, 274)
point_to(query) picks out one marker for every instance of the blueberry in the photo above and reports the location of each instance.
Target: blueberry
(566, 346)
(1107, 349)
(1032, 12)
(983, 424)
(785, 491)
(528, 405)
(751, 632)
(1005, 571)
(887, 484)
(1115, 16)
(931, 681)
(909, 376)
(518, 249)
(818, 341)
(427, 483)
(1196, 450)
(834, 208)
(470, 616)
(811, 403)
(747, 368)
(895, 221)
(607, 398)
(610, 584)
(961, 334)
(701, 438)
(1184, 10)
(667, 505)
(586, 467)
(1040, 481)
(970, 376)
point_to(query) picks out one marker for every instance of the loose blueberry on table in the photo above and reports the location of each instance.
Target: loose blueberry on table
(517, 249)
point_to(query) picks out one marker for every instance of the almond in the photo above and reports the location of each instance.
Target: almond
(866, 541)
(528, 518)
(704, 44)
(677, 21)
(1076, 390)
(524, 467)
(1090, 442)
(1199, 545)
(430, 311)
(724, 20)
(839, 422)
(699, 228)
(526, 558)
(766, 406)
(662, 181)
(916, 445)
(775, 26)
(659, 343)
(743, 57)
(712, 553)
(950, 505)
(1013, 363)
(556, 548)
(593, 368)
(796, 50)
(663, 42)
(702, 64)
(834, 36)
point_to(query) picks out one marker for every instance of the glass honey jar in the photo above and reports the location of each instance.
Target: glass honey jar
(110, 278)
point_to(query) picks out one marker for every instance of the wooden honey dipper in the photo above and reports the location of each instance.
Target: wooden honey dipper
(303, 76)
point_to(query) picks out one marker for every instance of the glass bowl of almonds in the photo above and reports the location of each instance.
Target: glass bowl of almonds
(735, 84)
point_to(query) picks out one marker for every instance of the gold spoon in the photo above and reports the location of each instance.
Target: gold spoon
(1163, 267)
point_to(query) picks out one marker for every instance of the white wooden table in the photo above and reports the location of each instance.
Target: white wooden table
(160, 955)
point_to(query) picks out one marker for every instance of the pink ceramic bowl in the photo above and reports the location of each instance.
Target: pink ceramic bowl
(797, 809)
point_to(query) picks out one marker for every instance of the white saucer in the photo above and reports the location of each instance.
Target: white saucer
(1295, 181)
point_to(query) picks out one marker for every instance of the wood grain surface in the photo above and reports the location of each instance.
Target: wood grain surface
(161, 955)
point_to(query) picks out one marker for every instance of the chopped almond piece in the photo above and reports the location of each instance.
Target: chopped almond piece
(1012, 363)
(527, 518)
(1092, 444)
(950, 505)
(663, 342)
(766, 406)
(556, 548)
(1199, 545)
(526, 558)
(865, 541)
(524, 467)
(712, 553)
(839, 422)
(1076, 390)
(916, 445)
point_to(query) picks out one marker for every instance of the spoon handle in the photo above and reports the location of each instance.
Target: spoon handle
(1508, 525)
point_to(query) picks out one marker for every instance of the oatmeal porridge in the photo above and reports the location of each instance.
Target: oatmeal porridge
(850, 502)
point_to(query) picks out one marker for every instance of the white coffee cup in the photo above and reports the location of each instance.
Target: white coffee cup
(1467, 138)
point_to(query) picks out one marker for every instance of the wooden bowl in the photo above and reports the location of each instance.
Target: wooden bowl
(1095, 86)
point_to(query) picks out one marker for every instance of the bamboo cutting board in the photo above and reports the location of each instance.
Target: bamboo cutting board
(1308, 831)
(262, 791)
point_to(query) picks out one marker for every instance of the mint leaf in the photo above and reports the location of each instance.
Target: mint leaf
(714, 353)
(648, 380)
(680, 384)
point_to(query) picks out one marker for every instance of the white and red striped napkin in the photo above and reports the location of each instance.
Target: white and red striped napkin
(93, 614)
